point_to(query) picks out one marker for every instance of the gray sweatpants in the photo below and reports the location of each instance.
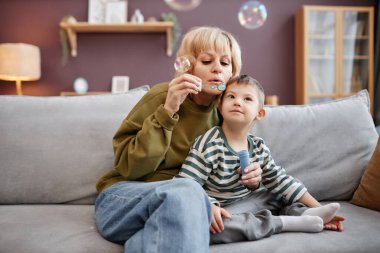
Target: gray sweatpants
(254, 217)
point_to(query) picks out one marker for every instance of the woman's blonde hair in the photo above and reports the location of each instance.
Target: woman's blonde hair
(203, 39)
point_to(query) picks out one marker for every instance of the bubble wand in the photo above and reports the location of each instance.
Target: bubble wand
(182, 65)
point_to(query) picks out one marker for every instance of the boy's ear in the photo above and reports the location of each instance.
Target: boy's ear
(261, 114)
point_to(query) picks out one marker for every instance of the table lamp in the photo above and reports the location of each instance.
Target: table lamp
(19, 62)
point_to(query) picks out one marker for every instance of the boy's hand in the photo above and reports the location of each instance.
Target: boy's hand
(335, 224)
(252, 176)
(217, 222)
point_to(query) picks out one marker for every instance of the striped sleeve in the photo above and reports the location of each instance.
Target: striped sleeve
(275, 179)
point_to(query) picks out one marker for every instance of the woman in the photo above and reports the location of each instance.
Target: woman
(138, 206)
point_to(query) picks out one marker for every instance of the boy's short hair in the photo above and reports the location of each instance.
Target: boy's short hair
(248, 80)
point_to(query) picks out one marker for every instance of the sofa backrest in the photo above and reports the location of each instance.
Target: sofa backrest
(53, 149)
(327, 146)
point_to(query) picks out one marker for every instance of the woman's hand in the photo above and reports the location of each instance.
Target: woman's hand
(217, 222)
(179, 88)
(252, 176)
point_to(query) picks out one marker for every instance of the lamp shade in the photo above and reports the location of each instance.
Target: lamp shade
(19, 62)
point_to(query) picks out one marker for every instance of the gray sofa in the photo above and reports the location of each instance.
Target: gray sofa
(53, 149)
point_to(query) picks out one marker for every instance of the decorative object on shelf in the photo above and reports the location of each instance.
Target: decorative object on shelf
(176, 34)
(183, 5)
(80, 85)
(65, 40)
(137, 17)
(120, 84)
(252, 14)
(96, 11)
(19, 62)
(116, 12)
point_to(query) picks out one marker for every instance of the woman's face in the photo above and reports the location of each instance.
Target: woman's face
(213, 68)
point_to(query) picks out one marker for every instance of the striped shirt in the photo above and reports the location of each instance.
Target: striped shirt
(213, 163)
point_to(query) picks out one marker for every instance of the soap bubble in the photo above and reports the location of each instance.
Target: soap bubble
(252, 14)
(182, 64)
(183, 5)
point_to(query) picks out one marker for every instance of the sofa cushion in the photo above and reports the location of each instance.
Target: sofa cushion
(361, 229)
(51, 229)
(71, 228)
(368, 192)
(327, 146)
(53, 149)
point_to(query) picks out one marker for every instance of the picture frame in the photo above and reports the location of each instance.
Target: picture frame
(116, 12)
(96, 11)
(120, 84)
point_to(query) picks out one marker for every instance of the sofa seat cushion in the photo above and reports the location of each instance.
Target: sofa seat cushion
(361, 234)
(71, 228)
(51, 229)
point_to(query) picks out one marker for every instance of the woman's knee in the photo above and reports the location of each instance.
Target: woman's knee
(186, 192)
(189, 188)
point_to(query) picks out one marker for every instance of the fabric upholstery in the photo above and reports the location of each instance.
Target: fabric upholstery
(327, 146)
(360, 234)
(368, 192)
(51, 229)
(53, 149)
(71, 228)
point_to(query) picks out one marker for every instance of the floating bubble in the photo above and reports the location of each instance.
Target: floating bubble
(183, 5)
(252, 14)
(182, 64)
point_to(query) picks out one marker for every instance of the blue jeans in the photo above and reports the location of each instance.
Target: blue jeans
(166, 216)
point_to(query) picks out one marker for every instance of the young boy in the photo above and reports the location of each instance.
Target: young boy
(214, 163)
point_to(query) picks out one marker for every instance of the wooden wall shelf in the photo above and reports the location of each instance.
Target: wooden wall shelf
(72, 28)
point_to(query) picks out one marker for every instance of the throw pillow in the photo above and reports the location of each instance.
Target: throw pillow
(367, 194)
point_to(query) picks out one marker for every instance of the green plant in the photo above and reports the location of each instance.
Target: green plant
(65, 40)
(170, 16)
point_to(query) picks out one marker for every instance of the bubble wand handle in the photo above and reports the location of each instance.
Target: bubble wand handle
(244, 160)
(220, 86)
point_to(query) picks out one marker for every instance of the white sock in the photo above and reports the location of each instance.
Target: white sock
(304, 223)
(326, 212)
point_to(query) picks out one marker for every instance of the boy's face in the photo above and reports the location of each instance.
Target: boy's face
(240, 104)
(213, 68)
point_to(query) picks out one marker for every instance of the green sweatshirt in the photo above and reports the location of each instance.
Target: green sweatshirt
(150, 144)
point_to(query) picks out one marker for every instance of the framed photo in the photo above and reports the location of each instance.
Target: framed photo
(96, 11)
(120, 84)
(116, 12)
